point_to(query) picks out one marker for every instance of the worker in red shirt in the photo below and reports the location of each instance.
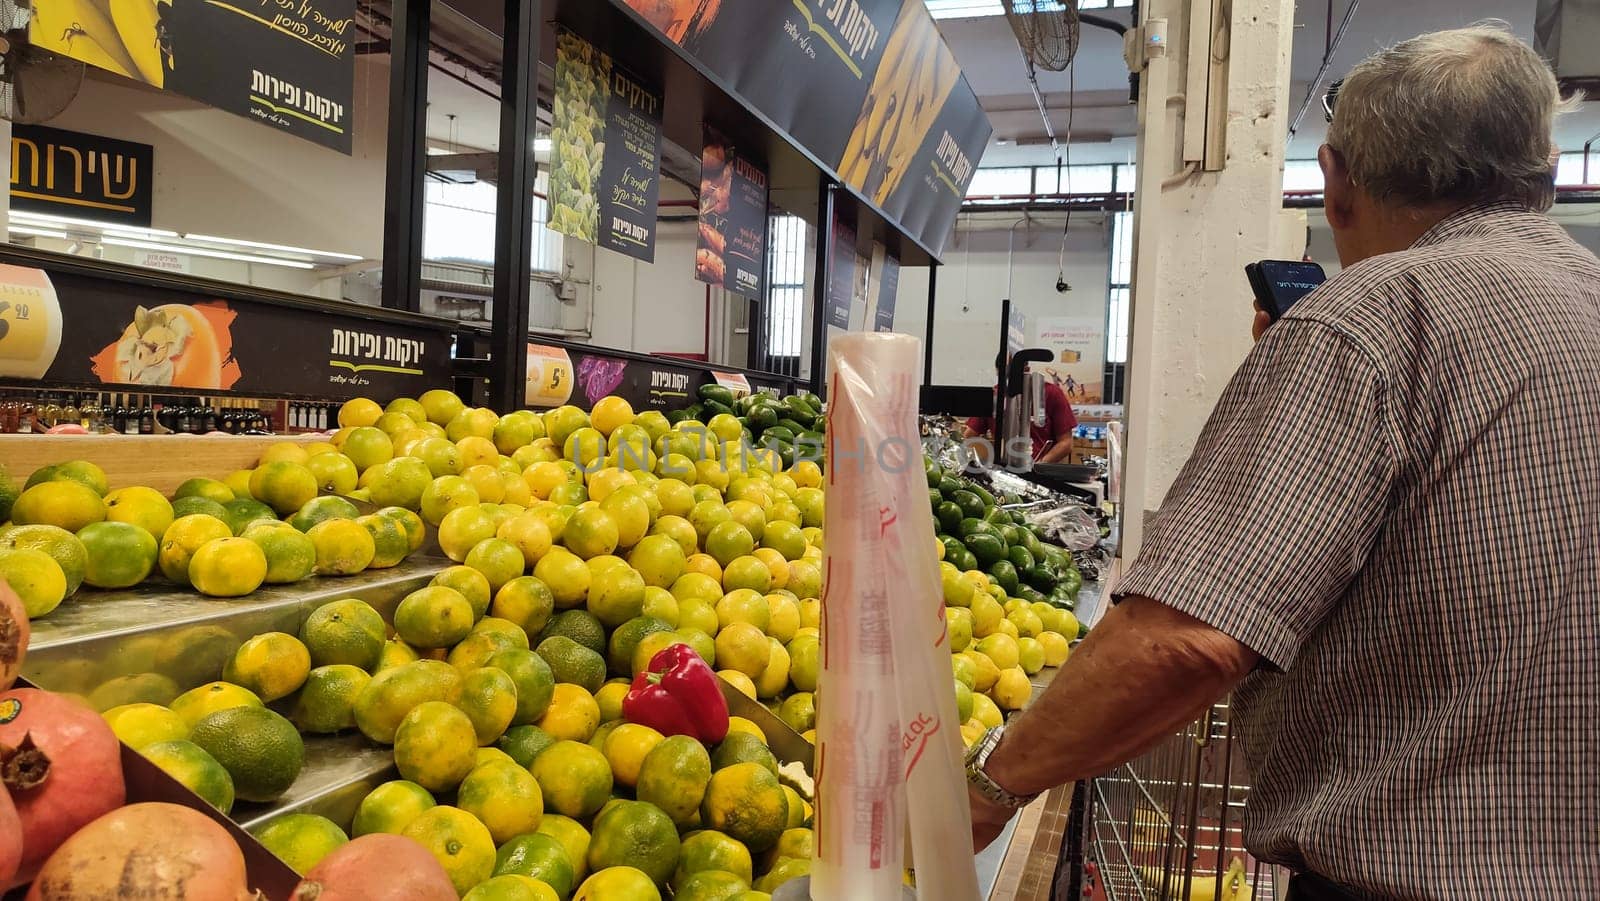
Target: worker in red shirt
(1052, 442)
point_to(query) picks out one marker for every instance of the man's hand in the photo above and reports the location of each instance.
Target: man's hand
(988, 819)
(1259, 325)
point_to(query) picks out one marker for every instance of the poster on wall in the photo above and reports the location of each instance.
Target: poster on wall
(68, 173)
(605, 154)
(731, 250)
(290, 65)
(1077, 366)
(801, 63)
(888, 288)
(83, 330)
(842, 276)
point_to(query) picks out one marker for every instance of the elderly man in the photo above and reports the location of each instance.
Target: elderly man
(1387, 541)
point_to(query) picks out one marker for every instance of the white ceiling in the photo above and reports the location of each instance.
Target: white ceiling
(1103, 122)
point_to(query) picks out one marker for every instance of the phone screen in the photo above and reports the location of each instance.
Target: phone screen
(1286, 282)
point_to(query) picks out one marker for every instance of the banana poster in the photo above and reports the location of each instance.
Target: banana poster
(605, 156)
(289, 64)
(858, 83)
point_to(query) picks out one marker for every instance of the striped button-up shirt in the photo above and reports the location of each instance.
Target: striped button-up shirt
(1396, 503)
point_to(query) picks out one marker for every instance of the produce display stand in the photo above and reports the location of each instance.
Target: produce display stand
(87, 647)
(161, 462)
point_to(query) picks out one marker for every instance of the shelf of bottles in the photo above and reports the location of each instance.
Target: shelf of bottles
(128, 413)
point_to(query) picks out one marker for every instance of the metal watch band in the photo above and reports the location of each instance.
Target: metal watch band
(977, 758)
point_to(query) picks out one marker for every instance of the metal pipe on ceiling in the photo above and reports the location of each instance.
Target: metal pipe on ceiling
(1327, 61)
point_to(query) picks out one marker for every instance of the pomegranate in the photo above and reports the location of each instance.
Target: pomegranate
(10, 839)
(62, 765)
(146, 851)
(377, 867)
(13, 636)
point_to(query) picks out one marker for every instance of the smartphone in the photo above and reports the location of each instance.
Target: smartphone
(1279, 284)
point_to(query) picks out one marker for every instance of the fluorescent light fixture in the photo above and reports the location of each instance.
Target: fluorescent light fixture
(964, 9)
(542, 145)
(973, 9)
(261, 245)
(50, 219)
(38, 232)
(205, 252)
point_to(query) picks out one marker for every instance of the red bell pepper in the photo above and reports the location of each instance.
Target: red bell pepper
(678, 695)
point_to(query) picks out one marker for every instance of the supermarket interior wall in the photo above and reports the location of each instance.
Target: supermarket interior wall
(217, 173)
(973, 282)
(654, 307)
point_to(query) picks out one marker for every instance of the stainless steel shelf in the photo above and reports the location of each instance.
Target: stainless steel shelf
(109, 644)
(340, 770)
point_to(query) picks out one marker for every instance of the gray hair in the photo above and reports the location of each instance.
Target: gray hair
(1459, 116)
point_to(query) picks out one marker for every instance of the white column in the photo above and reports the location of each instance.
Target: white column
(1191, 305)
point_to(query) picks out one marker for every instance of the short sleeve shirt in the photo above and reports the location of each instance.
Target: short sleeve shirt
(1058, 420)
(1396, 503)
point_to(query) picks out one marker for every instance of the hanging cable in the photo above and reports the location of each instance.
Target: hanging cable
(1064, 170)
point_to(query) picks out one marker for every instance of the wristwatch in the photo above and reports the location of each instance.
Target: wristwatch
(977, 757)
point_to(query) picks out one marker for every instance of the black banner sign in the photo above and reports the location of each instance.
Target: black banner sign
(85, 330)
(654, 385)
(841, 275)
(888, 287)
(858, 83)
(630, 175)
(68, 173)
(731, 250)
(287, 63)
(928, 198)
(605, 158)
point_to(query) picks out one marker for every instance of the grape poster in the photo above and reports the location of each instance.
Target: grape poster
(605, 154)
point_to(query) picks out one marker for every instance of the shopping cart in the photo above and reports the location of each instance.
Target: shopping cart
(1169, 824)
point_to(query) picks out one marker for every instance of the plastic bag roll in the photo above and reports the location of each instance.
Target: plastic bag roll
(888, 738)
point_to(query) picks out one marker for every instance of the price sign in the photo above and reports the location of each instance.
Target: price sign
(550, 376)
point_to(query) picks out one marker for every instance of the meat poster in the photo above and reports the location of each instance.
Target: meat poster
(731, 249)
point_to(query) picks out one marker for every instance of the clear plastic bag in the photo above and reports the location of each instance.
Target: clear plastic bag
(888, 738)
(1071, 526)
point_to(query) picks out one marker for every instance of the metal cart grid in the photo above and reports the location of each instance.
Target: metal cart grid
(1175, 816)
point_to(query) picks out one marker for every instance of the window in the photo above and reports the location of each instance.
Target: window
(1121, 288)
(784, 325)
(1023, 181)
(1570, 170)
(458, 225)
(1119, 299)
(969, 9)
(1075, 179)
(1302, 175)
(1127, 178)
(989, 183)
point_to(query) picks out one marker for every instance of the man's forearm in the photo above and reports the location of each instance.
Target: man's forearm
(1144, 672)
(1059, 451)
